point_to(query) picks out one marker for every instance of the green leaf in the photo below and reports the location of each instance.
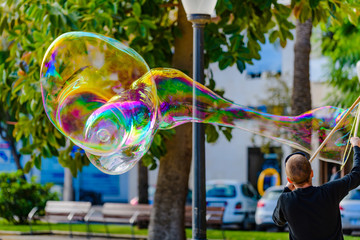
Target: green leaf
(28, 166)
(231, 29)
(225, 62)
(150, 24)
(26, 150)
(240, 65)
(157, 139)
(46, 152)
(51, 138)
(211, 134)
(147, 160)
(136, 9)
(153, 166)
(236, 42)
(273, 36)
(314, 3)
(128, 21)
(37, 162)
(354, 19)
(227, 133)
(143, 30)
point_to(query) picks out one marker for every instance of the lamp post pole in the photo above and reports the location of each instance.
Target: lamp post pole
(199, 194)
(198, 12)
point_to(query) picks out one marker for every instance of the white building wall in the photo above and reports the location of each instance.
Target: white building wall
(230, 159)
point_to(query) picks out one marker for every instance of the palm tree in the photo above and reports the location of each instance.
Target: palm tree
(301, 96)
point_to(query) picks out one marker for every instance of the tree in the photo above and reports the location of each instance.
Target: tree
(301, 96)
(309, 13)
(167, 217)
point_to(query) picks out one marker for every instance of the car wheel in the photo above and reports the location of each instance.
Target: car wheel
(281, 229)
(246, 225)
(347, 231)
(260, 228)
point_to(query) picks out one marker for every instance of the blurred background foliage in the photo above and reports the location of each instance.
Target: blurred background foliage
(27, 28)
(340, 43)
(18, 197)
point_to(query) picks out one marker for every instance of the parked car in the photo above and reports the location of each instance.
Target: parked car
(350, 211)
(265, 208)
(239, 200)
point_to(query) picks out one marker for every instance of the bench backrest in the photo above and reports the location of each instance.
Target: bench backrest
(67, 207)
(124, 210)
(214, 216)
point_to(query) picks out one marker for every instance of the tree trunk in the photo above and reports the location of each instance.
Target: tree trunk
(14, 152)
(143, 183)
(167, 217)
(6, 133)
(301, 96)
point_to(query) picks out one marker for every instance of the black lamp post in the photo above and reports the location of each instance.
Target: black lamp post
(198, 12)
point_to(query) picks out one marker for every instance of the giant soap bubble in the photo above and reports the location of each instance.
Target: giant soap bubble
(102, 95)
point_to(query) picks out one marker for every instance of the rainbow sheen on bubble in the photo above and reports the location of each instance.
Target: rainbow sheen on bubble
(101, 94)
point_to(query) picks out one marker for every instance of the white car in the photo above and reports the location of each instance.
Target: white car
(350, 211)
(266, 206)
(239, 200)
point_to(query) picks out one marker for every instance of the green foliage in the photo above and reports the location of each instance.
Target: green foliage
(225, 40)
(340, 44)
(18, 197)
(27, 29)
(320, 10)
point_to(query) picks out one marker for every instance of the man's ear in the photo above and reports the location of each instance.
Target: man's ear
(312, 174)
(289, 180)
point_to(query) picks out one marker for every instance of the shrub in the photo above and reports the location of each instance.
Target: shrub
(18, 197)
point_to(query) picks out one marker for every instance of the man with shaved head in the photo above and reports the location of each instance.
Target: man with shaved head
(312, 213)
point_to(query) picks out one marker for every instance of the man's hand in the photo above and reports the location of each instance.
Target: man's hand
(290, 186)
(355, 141)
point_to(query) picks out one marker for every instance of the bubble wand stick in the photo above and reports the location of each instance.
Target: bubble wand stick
(340, 122)
(358, 113)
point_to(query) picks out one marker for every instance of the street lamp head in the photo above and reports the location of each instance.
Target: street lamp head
(199, 10)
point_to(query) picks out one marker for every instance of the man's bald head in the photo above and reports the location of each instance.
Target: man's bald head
(298, 169)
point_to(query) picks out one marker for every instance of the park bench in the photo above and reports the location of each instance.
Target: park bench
(214, 217)
(124, 213)
(61, 211)
(120, 213)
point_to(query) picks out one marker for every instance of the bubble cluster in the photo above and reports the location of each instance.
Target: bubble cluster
(102, 95)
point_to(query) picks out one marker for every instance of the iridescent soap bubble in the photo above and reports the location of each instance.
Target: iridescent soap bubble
(102, 96)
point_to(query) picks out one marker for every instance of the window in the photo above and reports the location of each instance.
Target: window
(353, 195)
(275, 194)
(220, 190)
(247, 191)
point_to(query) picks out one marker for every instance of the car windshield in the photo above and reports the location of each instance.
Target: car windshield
(353, 195)
(220, 190)
(272, 194)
